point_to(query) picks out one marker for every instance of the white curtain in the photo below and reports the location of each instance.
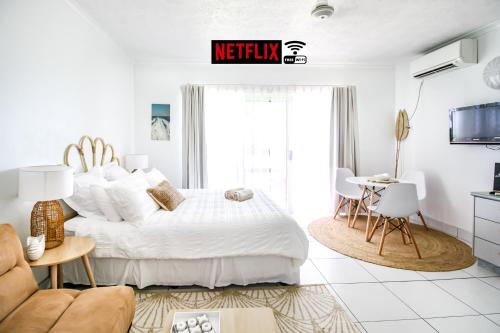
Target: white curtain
(344, 137)
(274, 138)
(194, 155)
(309, 188)
(246, 138)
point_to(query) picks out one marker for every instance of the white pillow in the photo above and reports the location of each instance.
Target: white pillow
(155, 177)
(104, 202)
(130, 198)
(82, 201)
(112, 171)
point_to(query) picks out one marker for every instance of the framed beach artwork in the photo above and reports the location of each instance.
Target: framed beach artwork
(160, 122)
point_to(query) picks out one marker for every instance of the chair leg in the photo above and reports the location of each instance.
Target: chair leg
(338, 208)
(349, 213)
(408, 228)
(381, 245)
(409, 239)
(358, 207)
(369, 215)
(407, 235)
(363, 205)
(400, 224)
(419, 213)
(356, 212)
(375, 226)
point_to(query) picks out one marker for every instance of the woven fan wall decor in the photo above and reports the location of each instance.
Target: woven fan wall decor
(402, 130)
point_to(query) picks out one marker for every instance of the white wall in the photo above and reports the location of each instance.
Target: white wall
(160, 83)
(60, 78)
(452, 171)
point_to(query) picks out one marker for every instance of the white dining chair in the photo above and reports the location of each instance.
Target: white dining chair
(397, 203)
(350, 194)
(417, 178)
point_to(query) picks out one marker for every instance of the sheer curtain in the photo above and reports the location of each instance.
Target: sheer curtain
(246, 139)
(344, 125)
(194, 164)
(309, 131)
(344, 137)
(274, 138)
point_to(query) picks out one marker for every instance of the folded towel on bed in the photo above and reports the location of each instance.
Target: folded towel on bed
(229, 193)
(244, 195)
(238, 194)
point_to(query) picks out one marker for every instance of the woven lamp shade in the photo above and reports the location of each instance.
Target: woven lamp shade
(46, 184)
(47, 217)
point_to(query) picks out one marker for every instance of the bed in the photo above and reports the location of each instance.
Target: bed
(207, 241)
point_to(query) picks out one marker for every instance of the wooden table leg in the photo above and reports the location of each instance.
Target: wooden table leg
(359, 206)
(53, 276)
(349, 213)
(369, 215)
(86, 263)
(60, 276)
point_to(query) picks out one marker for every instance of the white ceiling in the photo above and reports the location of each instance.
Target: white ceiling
(361, 31)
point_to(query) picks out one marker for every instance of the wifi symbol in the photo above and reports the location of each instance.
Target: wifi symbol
(295, 45)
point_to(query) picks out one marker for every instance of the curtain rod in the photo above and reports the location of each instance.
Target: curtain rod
(272, 85)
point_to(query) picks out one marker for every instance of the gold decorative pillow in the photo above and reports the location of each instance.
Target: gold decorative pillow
(166, 195)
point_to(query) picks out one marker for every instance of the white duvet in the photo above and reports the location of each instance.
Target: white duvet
(205, 225)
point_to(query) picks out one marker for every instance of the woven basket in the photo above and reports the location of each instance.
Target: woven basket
(47, 218)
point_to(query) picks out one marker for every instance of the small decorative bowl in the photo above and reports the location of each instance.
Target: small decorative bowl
(36, 247)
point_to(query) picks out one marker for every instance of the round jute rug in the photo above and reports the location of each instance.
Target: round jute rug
(440, 252)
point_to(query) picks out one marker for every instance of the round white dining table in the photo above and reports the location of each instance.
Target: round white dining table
(370, 189)
(363, 181)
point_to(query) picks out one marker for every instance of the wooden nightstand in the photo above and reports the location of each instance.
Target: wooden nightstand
(71, 249)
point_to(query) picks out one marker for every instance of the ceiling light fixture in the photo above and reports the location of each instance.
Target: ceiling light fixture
(322, 10)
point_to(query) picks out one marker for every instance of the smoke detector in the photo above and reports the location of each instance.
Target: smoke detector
(322, 10)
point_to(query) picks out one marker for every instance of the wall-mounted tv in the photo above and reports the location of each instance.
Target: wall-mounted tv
(476, 124)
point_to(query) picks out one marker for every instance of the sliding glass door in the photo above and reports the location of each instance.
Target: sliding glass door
(271, 138)
(246, 140)
(309, 144)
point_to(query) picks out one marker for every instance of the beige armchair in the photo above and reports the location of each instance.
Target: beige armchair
(24, 308)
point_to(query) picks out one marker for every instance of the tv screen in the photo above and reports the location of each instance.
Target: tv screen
(477, 124)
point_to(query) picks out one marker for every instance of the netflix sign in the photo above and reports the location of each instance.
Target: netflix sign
(246, 52)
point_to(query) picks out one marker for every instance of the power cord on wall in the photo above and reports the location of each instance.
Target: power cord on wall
(398, 145)
(418, 99)
(491, 148)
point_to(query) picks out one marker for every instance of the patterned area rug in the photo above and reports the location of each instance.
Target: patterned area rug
(297, 309)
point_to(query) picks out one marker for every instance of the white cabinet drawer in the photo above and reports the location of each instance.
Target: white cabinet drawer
(487, 251)
(488, 230)
(488, 209)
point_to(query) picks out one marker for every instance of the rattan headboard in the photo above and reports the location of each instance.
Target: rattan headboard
(93, 144)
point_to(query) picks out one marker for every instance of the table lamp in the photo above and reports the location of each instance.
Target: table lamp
(46, 185)
(136, 161)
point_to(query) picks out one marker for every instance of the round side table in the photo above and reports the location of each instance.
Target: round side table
(71, 249)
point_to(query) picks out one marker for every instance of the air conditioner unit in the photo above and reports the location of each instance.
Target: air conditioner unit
(458, 54)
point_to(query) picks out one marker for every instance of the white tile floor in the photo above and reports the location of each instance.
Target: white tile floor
(389, 300)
